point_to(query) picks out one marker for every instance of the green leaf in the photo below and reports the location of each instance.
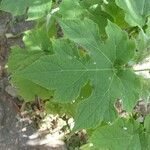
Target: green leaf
(85, 92)
(71, 9)
(95, 12)
(10, 6)
(148, 27)
(54, 107)
(143, 46)
(21, 58)
(76, 29)
(119, 55)
(53, 68)
(136, 11)
(66, 72)
(91, 4)
(116, 12)
(90, 146)
(29, 90)
(144, 140)
(18, 60)
(147, 123)
(39, 9)
(80, 9)
(19, 7)
(148, 141)
(121, 135)
(39, 39)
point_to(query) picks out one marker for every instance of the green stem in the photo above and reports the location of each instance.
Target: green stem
(140, 70)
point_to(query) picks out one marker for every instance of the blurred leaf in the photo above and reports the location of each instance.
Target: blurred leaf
(37, 8)
(136, 11)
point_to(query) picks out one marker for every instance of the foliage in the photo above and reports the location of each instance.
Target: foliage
(36, 9)
(89, 66)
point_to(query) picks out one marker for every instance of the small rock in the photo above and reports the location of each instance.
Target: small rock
(11, 91)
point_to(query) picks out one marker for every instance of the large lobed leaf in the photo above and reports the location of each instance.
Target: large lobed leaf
(111, 78)
(122, 134)
(136, 11)
(107, 70)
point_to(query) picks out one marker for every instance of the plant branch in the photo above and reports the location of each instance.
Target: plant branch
(140, 70)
